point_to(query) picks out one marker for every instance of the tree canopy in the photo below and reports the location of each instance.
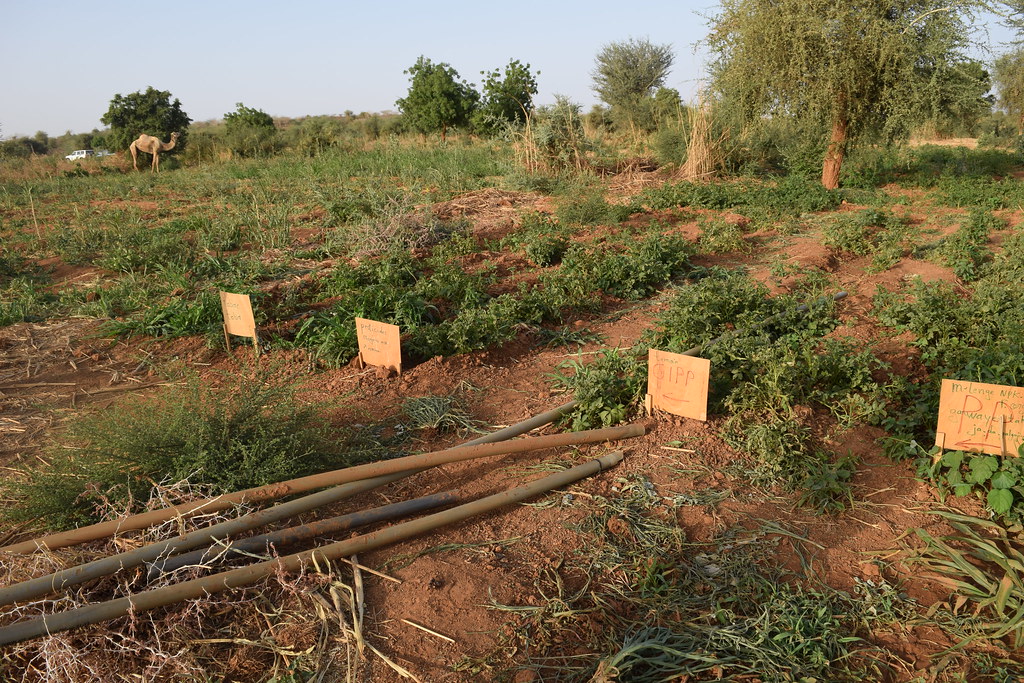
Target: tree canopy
(151, 112)
(848, 68)
(628, 73)
(437, 100)
(1008, 75)
(250, 132)
(507, 96)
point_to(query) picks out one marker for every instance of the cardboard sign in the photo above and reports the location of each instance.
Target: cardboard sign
(238, 318)
(678, 384)
(985, 418)
(379, 344)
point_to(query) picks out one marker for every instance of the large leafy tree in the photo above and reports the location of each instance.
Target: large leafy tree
(507, 96)
(437, 100)
(151, 112)
(848, 68)
(1008, 75)
(627, 74)
(250, 132)
(956, 97)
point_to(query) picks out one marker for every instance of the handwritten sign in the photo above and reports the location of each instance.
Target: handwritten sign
(678, 384)
(986, 418)
(379, 344)
(238, 317)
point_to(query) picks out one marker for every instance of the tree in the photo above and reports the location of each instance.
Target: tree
(1008, 75)
(507, 97)
(627, 75)
(150, 112)
(437, 100)
(250, 132)
(956, 97)
(849, 68)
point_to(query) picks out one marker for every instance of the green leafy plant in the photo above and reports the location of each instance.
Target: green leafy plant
(999, 482)
(606, 390)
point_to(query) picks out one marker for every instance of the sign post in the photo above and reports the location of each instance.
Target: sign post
(678, 384)
(379, 344)
(238, 318)
(985, 418)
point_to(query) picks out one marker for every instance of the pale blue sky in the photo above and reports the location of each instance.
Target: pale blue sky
(63, 61)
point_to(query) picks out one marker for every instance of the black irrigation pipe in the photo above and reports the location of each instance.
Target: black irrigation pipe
(203, 587)
(264, 543)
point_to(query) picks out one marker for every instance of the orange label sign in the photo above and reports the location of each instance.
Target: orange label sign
(678, 384)
(379, 344)
(238, 318)
(987, 418)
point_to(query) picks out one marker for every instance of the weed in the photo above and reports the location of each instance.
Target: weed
(996, 481)
(607, 390)
(591, 208)
(441, 413)
(719, 236)
(983, 564)
(250, 432)
(964, 251)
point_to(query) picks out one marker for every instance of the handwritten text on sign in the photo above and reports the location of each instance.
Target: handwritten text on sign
(988, 418)
(379, 344)
(678, 384)
(238, 318)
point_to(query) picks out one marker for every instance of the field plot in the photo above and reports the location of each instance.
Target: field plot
(808, 530)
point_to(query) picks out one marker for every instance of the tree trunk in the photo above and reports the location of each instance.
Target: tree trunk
(836, 152)
(444, 132)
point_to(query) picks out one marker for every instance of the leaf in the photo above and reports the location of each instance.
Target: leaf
(1003, 480)
(1005, 586)
(982, 467)
(1000, 501)
(952, 459)
(962, 490)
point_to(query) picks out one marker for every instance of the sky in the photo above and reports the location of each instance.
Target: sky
(64, 60)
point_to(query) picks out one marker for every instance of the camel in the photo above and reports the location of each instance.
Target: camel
(151, 145)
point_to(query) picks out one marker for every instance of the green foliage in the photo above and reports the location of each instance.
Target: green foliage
(627, 74)
(250, 432)
(790, 196)
(151, 112)
(998, 482)
(719, 236)
(589, 207)
(559, 137)
(436, 100)
(250, 132)
(850, 70)
(1008, 76)
(632, 273)
(506, 97)
(880, 233)
(965, 250)
(607, 390)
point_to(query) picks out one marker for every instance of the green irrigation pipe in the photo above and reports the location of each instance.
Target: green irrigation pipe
(202, 587)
